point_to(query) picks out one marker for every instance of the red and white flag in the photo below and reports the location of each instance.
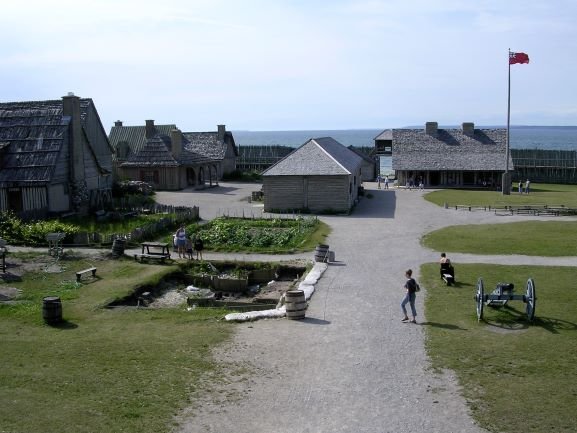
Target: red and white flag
(518, 58)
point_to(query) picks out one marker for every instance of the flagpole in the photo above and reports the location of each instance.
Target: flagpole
(506, 187)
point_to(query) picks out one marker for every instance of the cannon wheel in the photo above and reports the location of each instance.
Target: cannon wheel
(530, 299)
(480, 298)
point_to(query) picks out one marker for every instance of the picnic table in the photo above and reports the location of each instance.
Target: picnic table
(154, 250)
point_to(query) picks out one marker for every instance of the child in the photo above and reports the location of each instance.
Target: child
(198, 247)
(189, 248)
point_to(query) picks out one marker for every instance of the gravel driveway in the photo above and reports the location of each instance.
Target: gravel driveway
(351, 365)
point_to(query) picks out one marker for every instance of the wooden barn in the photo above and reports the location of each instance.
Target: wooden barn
(458, 157)
(320, 176)
(55, 157)
(170, 159)
(368, 167)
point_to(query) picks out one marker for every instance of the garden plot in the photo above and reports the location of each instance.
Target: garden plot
(231, 285)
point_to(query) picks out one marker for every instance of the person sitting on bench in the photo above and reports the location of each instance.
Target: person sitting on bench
(446, 266)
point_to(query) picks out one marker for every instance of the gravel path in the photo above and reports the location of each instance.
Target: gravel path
(351, 366)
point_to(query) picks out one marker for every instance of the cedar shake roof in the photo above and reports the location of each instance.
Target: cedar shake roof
(152, 154)
(197, 147)
(363, 155)
(32, 136)
(207, 143)
(135, 136)
(387, 134)
(450, 149)
(318, 156)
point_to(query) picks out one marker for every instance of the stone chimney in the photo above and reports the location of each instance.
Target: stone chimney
(469, 128)
(118, 123)
(150, 129)
(431, 128)
(71, 108)
(221, 132)
(176, 143)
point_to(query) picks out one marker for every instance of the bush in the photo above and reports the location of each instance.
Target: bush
(33, 233)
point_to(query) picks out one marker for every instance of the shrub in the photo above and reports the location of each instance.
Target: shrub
(33, 233)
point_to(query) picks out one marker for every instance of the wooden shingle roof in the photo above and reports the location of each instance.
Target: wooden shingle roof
(32, 135)
(449, 149)
(208, 144)
(154, 151)
(318, 156)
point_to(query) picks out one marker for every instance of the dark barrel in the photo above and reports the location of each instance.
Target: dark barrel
(118, 247)
(52, 310)
(322, 253)
(295, 304)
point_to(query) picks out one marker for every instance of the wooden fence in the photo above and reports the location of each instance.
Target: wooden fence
(545, 166)
(175, 216)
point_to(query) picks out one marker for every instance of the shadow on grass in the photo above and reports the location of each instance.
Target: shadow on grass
(443, 326)
(554, 325)
(509, 318)
(64, 325)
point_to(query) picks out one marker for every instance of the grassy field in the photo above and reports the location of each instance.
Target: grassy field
(533, 238)
(102, 370)
(540, 194)
(517, 377)
(536, 238)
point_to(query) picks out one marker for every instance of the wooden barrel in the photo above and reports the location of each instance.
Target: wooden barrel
(52, 310)
(118, 247)
(322, 253)
(296, 304)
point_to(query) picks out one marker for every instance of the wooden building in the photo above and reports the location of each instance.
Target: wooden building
(170, 159)
(54, 157)
(320, 176)
(450, 157)
(368, 165)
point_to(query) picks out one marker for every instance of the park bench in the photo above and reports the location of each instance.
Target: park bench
(85, 271)
(153, 256)
(447, 273)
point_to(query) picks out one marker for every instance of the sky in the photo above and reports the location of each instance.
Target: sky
(295, 65)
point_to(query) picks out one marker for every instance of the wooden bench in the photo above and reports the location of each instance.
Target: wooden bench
(85, 271)
(152, 256)
(448, 279)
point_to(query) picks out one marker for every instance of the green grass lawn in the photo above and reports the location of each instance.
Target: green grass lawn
(533, 238)
(540, 194)
(517, 377)
(103, 370)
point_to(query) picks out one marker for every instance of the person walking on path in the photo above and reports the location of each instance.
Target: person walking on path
(386, 182)
(527, 184)
(410, 296)
(520, 186)
(379, 181)
(180, 236)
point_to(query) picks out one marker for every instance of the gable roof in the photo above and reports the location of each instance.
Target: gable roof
(318, 156)
(387, 134)
(135, 136)
(450, 149)
(363, 155)
(208, 144)
(32, 135)
(197, 147)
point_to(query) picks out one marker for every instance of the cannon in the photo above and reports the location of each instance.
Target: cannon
(502, 294)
